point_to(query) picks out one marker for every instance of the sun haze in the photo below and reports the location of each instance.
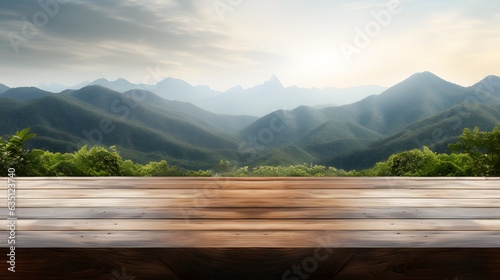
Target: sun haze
(225, 43)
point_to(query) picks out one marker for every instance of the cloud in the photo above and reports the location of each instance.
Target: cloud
(120, 33)
(187, 39)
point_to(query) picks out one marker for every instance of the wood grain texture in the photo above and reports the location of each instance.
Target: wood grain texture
(255, 228)
(474, 183)
(256, 212)
(271, 193)
(258, 239)
(254, 202)
(258, 224)
(222, 213)
(251, 263)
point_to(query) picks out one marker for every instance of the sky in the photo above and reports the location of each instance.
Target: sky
(224, 43)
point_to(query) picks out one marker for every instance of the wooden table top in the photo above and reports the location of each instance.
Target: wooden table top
(338, 212)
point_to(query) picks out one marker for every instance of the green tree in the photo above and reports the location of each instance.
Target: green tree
(13, 154)
(406, 163)
(98, 161)
(483, 149)
(129, 168)
(159, 169)
(56, 164)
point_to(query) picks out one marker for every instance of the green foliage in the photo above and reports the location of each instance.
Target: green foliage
(13, 154)
(224, 166)
(483, 148)
(129, 168)
(420, 163)
(406, 163)
(300, 170)
(199, 173)
(55, 164)
(96, 161)
(159, 169)
(481, 157)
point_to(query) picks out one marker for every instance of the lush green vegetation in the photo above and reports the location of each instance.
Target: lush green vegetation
(13, 154)
(477, 153)
(226, 168)
(483, 148)
(96, 161)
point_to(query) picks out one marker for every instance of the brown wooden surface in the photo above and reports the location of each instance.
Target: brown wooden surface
(254, 228)
(254, 263)
(256, 212)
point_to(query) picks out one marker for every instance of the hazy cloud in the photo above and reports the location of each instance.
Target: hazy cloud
(297, 40)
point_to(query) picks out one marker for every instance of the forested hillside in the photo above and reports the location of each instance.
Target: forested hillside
(421, 110)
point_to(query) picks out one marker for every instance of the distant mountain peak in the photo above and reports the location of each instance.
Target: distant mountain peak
(93, 87)
(425, 75)
(101, 80)
(489, 83)
(490, 78)
(106, 81)
(424, 79)
(274, 81)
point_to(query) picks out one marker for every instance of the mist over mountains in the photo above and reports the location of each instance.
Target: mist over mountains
(255, 101)
(149, 124)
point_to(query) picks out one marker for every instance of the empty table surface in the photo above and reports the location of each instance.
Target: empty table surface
(338, 212)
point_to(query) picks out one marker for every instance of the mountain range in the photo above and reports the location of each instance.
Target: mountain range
(421, 110)
(255, 101)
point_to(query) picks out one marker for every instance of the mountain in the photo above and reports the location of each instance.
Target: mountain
(282, 156)
(272, 95)
(54, 87)
(115, 104)
(120, 85)
(255, 101)
(421, 110)
(331, 131)
(435, 132)
(3, 88)
(479, 106)
(25, 93)
(168, 88)
(226, 123)
(97, 115)
(179, 90)
(360, 134)
(412, 100)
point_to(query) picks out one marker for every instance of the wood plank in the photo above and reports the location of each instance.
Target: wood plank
(256, 202)
(257, 224)
(264, 225)
(267, 179)
(258, 239)
(255, 183)
(268, 193)
(256, 213)
(262, 264)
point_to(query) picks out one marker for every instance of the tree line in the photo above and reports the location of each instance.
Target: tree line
(477, 153)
